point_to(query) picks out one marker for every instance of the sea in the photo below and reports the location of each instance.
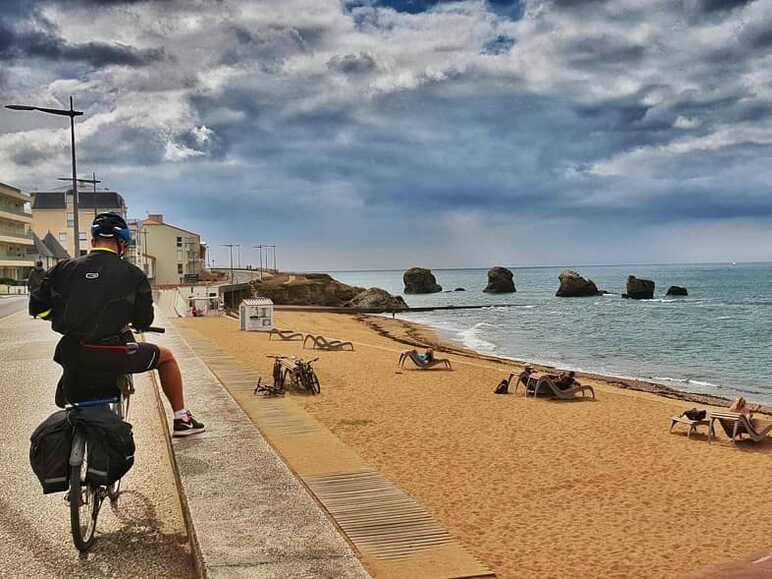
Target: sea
(717, 340)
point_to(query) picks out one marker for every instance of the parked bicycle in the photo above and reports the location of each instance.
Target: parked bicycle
(86, 497)
(299, 373)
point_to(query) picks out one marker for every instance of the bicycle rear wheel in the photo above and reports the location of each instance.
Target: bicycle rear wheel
(84, 507)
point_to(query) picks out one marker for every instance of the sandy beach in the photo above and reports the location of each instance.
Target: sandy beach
(534, 488)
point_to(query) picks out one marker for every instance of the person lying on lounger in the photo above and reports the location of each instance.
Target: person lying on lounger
(742, 407)
(427, 356)
(565, 380)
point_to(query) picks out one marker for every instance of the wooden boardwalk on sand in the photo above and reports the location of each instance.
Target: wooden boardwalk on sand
(395, 536)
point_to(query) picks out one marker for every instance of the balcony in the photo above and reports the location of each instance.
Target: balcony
(15, 261)
(16, 237)
(15, 215)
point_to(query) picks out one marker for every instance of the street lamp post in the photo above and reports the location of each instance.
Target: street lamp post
(72, 113)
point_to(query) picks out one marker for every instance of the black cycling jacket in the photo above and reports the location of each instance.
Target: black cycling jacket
(94, 297)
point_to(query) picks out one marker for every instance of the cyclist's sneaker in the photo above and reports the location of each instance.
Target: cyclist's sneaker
(187, 426)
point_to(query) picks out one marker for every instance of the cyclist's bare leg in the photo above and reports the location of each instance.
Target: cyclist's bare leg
(171, 379)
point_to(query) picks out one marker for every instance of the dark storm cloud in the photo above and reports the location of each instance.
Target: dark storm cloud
(361, 63)
(710, 6)
(45, 44)
(595, 51)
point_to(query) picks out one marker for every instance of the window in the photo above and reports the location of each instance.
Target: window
(179, 242)
(82, 235)
(70, 220)
(179, 255)
(63, 236)
(179, 268)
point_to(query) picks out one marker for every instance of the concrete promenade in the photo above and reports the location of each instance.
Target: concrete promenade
(248, 515)
(145, 537)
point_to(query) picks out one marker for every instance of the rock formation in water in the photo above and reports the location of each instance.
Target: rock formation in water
(675, 290)
(420, 281)
(500, 281)
(376, 298)
(573, 285)
(459, 289)
(639, 289)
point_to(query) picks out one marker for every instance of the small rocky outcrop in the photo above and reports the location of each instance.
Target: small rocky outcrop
(675, 290)
(376, 298)
(419, 280)
(500, 281)
(459, 289)
(639, 289)
(573, 285)
(312, 289)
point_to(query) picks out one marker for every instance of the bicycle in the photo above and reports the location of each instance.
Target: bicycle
(300, 374)
(85, 497)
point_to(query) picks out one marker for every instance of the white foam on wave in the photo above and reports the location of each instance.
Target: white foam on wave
(472, 338)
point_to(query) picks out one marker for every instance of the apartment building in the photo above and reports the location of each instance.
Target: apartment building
(52, 212)
(16, 243)
(171, 254)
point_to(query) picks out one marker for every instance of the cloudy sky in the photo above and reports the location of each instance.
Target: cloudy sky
(390, 133)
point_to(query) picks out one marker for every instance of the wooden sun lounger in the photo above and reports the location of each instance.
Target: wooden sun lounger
(322, 343)
(413, 355)
(286, 335)
(545, 383)
(735, 425)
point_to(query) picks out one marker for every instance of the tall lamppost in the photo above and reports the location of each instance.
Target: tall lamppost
(72, 113)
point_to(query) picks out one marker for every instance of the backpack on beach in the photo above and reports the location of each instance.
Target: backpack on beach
(502, 388)
(694, 414)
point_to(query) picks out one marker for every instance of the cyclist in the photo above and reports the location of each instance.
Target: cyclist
(91, 300)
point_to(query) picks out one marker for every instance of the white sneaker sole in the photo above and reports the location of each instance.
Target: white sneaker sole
(180, 433)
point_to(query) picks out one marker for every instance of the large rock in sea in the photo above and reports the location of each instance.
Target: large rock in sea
(311, 289)
(639, 289)
(376, 298)
(573, 285)
(675, 290)
(420, 281)
(500, 281)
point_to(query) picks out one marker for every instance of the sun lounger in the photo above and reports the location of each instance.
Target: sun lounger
(421, 364)
(322, 343)
(735, 425)
(548, 385)
(528, 381)
(692, 424)
(285, 335)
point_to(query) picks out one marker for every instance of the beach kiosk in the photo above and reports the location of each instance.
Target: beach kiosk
(256, 315)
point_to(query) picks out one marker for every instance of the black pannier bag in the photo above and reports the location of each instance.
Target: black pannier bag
(49, 452)
(109, 443)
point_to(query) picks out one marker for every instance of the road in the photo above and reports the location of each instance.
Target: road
(145, 537)
(12, 305)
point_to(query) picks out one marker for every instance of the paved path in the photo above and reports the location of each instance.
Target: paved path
(145, 538)
(250, 517)
(10, 305)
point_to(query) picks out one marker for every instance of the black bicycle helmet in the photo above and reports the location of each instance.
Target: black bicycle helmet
(110, 226)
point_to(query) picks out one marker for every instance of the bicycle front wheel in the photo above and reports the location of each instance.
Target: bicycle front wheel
(84, 508)
(313, 384)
